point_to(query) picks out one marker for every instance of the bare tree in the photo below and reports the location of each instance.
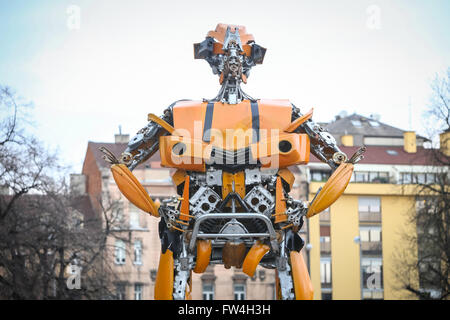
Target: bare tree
(49, 238)
(431, 215)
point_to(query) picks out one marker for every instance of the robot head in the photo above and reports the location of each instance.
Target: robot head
(230, 51)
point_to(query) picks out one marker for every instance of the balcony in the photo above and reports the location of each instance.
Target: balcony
(371, 248)
(325, 247)
(370, 216)
(324, 216)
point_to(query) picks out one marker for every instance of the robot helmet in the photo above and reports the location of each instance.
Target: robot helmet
(230, 51)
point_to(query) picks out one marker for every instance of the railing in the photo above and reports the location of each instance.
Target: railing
(370, 216)
(325, 247)
(371, 247)
(324, 216)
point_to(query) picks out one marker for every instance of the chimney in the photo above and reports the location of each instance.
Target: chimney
(78, 184)
(444, 139)
(409, 142)
(347, 140)
(121, 138)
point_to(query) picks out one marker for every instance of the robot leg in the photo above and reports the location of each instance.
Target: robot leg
(292, 277)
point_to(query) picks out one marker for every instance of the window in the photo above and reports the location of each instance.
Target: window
(369, 204)
(138, 291)
(119, 252)
(120, 291)
(153, 274)
(372, 294)
(406, 178)
(356, 123)
(369, 209)
(117, 216)
(325, 245)
(431, 178)
(372, 273)
(392, 152)
(327, 296)
(372, 177)
(361, 176)
(370, 234)
(325, 272)
(208, 291)
(138, 252)
(134, 219)
(320, 176)
(374, 124)
(239, 291)
(419, 178)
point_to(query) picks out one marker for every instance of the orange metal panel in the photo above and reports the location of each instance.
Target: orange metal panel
(332, 189)
(302, 283)
(203, 255)
(280, 204)
(254, 256)
(294, 125)
(132, 189)
(184, 209)
(164, 277)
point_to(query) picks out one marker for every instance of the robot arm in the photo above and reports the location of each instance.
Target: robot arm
(146, 142)
(323, 145)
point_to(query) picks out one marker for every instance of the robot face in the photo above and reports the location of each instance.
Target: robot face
(230, 51)
(232, 62)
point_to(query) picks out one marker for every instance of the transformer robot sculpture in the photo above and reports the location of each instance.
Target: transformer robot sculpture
(232, 155)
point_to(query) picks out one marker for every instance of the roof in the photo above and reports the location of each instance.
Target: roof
(395, 156)
(369, 127)
(116, 149)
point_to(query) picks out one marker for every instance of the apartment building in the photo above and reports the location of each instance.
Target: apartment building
(353, 244)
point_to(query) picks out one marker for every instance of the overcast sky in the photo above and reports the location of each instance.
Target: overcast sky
(123, 59)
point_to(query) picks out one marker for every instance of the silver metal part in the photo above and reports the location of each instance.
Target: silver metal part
(233, 227)
(271, 234)
(284, 275)
(259, 199)
(214, 178)
(183, 266)
(204, 201)
(252, 176)
(339, 157)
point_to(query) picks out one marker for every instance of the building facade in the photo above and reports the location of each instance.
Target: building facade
(354, 245)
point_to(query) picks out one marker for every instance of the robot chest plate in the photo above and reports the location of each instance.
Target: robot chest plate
(201, 120)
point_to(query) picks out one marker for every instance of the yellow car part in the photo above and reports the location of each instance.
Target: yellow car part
(303, 288)
(280, 203)
(203, 255)
(254, 256)
(132, 189)
(287, 177)
(332, 189)
(184, 209)
(238, 179)
(161, 122)
(164, 277)
(294, 125)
